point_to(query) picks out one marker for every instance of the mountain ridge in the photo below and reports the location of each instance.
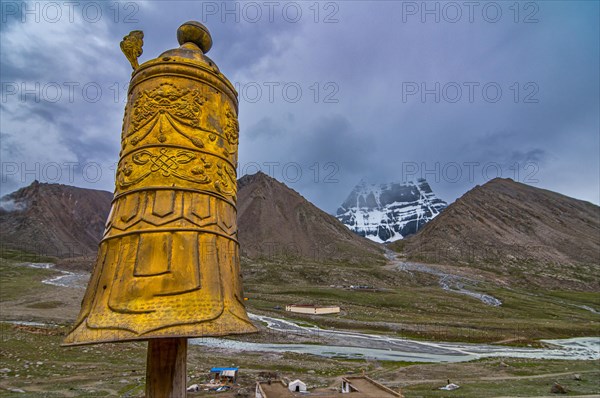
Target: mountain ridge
(55, 219)
(264, 204)
(274, 222)
(513, 228)
(518, 232)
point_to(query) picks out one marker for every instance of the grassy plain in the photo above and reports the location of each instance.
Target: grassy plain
(32, 360)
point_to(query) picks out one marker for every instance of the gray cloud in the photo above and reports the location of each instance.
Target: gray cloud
(351, 119)
(265, 127)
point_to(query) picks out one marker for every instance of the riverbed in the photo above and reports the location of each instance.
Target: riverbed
(380, 347)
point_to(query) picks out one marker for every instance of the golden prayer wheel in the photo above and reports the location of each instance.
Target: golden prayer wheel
(168, 263)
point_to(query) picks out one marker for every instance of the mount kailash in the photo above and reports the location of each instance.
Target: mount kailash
(389, 212)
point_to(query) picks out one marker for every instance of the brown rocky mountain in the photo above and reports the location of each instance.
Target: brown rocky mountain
(275, 221)
(54, 219)
(517, 231)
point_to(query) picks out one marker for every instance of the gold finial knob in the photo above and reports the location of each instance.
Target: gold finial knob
(195, 32)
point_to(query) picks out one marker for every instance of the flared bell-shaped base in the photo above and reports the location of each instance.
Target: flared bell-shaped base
(227, 324)
(154, 283)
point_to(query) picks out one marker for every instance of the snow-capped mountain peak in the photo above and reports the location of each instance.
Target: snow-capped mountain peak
(388, 212)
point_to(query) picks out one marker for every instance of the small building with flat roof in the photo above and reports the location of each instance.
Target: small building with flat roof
(224, 375)
(313, 309)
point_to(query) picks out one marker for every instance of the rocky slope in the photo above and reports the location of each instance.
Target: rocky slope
(521, 233)
(388, 212)
(54, 219)
(276, 221)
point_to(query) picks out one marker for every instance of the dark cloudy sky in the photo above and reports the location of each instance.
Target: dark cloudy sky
(330, 92)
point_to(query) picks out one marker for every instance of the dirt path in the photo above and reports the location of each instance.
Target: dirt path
(491, 378)
(554, 396)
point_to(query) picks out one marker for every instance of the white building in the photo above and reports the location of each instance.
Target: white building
(313, 309)
(297, 386)
(352, 386)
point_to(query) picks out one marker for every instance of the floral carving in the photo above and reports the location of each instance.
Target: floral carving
(166, 106)
(232, 126)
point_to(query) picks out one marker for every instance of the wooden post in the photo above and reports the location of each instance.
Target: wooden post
(166, 364)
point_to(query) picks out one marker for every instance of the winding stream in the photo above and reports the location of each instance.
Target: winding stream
(356, 345)
(451, 283)
(448, 282)
(76, 280)
(68, 279)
